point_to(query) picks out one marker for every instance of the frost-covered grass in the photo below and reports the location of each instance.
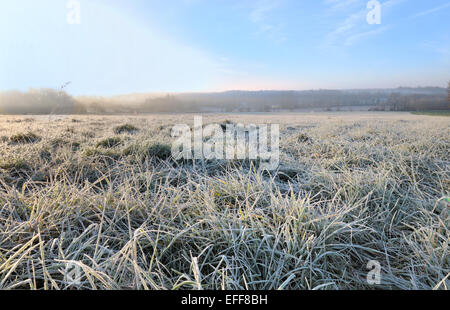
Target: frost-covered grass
(102, 193)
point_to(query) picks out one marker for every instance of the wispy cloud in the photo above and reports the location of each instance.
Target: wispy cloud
(336, 5)
(441, 48)
(345, 29)
(356, 37)
(423, 13)
(354, 27)
(261, 9)
(260, 12)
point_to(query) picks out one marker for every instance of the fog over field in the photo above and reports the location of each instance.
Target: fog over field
(48, 101)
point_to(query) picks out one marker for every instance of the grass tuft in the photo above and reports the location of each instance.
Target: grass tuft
(14, 163)
(126, 128)
(109, 142)
(159, 150)
(28, 137)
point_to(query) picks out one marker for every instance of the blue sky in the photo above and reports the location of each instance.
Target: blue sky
(126, 46)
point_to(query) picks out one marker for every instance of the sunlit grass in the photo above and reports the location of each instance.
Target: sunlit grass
(350, 189)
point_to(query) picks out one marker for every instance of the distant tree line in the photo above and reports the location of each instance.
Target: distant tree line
(416, 102)
(39, 101)
(272, 101)
(49, 101)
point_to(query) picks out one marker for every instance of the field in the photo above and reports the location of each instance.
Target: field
(101, 193)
